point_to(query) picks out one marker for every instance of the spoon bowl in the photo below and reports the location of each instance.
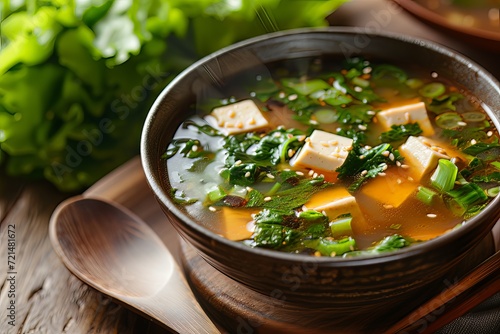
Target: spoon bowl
(114, 251)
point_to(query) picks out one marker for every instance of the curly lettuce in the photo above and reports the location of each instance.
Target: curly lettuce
(77, 77)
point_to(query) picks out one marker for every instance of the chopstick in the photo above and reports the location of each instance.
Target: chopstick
(478, 285)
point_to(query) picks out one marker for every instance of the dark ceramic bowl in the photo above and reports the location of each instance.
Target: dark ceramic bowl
(353, 286)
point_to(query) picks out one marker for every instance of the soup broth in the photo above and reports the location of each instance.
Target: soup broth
(334, 158)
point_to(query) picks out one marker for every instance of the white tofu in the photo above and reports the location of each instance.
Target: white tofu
(421, 155)
(239, 117)
(323, 151)
(412, 113)
(335, 202)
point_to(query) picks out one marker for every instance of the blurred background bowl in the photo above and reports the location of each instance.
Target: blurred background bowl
(348, 288)
(475, 22)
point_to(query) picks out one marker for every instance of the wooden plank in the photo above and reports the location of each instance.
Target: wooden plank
(48, 299)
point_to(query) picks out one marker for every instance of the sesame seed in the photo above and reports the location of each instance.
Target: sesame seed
(267, 199)
(269, 175)
(282, 95)
(382, 174)
(391, 156)
(388, 206)
(434, 75)
(461, 124)
(249, 188)
(362, 127)
(311, 172)
(238, 162)
(473, 142)
(364, 172)
(247, 174)
(194, 148)
(367, 70)
(313, 121)
(398, 163)
(399, 181)
(407, 116)
(370, 112)
(405, 166)
(385, 167)
(324, 143)
(290, 152)
(410, 179)
(332, 254)
(211, 208)
(302, 138)
(490, 133)
(289, 136)
(293, 97)
(361, 157)
(358, 89)
(368, 147)
(431, 215)
(315, 175)
(299, 173)
(386, 153)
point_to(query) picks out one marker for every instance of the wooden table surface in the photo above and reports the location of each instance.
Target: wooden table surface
(45, 295)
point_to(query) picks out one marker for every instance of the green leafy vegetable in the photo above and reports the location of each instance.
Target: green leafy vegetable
(388, 244)
(78, 77)
(400, 132)
(363, 163)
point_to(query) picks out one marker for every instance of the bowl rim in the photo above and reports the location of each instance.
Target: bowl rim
(407, 252)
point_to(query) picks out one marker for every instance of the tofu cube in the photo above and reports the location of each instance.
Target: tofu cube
(335, 202)
(323, 151)
(391, 190)
(413, 113)
(421, 155)
(237, 224)
(239, 117)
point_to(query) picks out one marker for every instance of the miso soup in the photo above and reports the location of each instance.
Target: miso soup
(331, 157)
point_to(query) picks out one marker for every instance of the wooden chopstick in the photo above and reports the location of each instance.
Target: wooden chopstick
(478, 285)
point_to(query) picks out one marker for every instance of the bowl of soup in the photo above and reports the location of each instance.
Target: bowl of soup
(347, 171)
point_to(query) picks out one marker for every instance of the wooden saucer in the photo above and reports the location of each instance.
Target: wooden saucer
(239, 309)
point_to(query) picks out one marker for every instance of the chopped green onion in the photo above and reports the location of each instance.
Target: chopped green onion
(449, 120)
(390, 72)
(426, 195)
(341, 227)
(360, 82)
(493, 192)
(305, 87)
(414, 83)
(215, 194)
(331, 247)
(443, 178)
(434, 89)
(496, 164)
(468, 195)
(473, 116)
(326, 116)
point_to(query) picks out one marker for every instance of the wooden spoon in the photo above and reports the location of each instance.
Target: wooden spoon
(114, 251)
